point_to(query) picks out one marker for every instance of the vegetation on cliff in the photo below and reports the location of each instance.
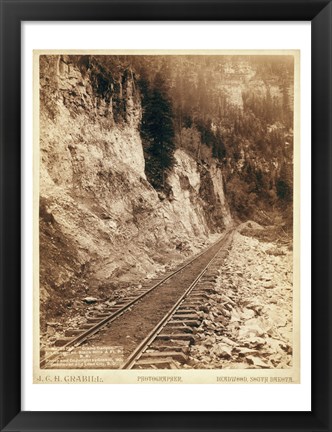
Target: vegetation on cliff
(157, 131)
(236, 110)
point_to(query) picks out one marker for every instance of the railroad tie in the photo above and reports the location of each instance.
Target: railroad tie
(180, 316)
(173, 347)
(208, 280)
(205, 286)
(167, 363)
(199, 296)
(179, 327)
(176, 336)
(188, 322)
(86, 326)
(174, 355)
(195, 301)
(185, 310)
(102, 315)
(93, 320)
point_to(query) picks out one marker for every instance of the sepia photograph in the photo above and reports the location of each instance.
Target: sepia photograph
(167, 215)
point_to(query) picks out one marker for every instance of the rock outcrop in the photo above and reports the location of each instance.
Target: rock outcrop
(101, 222)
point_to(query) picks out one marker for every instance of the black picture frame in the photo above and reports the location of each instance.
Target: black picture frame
(13, 12)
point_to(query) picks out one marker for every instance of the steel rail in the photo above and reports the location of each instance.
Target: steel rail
(76, 341)
(136, 354)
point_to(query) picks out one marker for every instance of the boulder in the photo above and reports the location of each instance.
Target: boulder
(90, 300)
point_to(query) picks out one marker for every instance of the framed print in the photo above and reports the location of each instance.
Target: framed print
(169, 199)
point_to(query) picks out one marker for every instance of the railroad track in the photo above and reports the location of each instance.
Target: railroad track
(167, 345)
(99, 319)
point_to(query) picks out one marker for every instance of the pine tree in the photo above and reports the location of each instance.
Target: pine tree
(157, 130)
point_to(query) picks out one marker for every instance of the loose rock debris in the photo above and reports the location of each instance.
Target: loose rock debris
(248, 318)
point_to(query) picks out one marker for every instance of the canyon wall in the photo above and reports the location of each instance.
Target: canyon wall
(102, 224)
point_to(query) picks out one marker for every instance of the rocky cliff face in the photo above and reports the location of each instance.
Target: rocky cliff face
(101, 222)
